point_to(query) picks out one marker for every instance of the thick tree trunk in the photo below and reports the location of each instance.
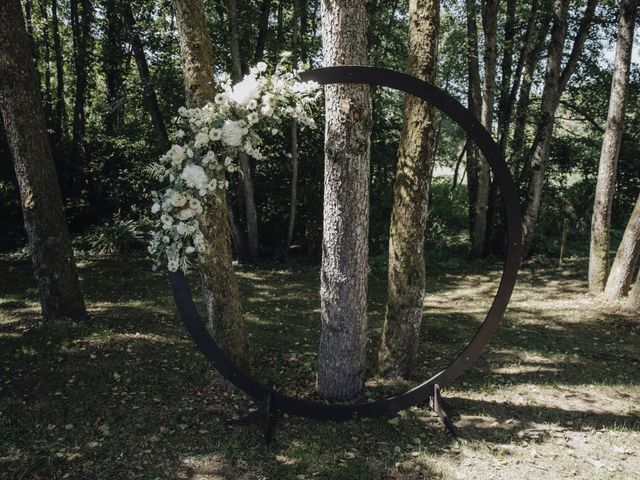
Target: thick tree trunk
(477, 166)
(343, 288)
(555, 82)
(197, 62)
(44, 219)
(401, 331)
(624, 265)
(44, 13)
(149, 94)
(247, 180)
(59, 109)
(605, 186)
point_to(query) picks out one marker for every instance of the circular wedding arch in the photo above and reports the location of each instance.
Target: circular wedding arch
(387, 406)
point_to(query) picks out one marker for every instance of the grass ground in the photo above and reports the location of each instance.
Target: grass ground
(127, 395)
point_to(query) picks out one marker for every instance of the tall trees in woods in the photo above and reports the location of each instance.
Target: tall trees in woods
(245, 166)
(406, 284)
(81, 20)
(44, 219)
(556, 79)
(605, 186)
(477, 166)
(343, 288)
(219, 279)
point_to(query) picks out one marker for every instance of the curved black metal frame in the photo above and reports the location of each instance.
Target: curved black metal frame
(389, 406)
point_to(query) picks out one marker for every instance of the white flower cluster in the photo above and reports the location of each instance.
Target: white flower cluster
(194, 170)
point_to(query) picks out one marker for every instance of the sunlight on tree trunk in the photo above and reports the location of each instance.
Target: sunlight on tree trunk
(343, 289)
(606, 184)
(220, 281)
(626, 259)
(406, 284)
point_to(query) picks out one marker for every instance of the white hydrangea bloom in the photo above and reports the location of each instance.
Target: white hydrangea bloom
(245, 91)
(195, 177)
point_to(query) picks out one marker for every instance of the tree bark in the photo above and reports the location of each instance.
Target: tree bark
(477, 166)
(406, 284)
(44, 219)
(197, 62)
(633, 300)
(150, 99)
(60, 108)
(263, 30)
(298, 5)
(606, 183)
(247, 180)
(555, 82)
(343, 288)
(624, 265)
(113, 59)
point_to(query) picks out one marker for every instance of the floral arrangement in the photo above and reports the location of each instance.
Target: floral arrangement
(208, 145)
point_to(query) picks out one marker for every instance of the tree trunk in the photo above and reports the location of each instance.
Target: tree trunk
(59, 109)
(44, 219)
(247, 180)
(298, 5)
(633, 300)
(81, 26)
(197, 62)
(149, 94)
(44, 13)
(113, 59)
(343, 288)
(477, 166)
(555, 82)
(401, 331)
(624, 265)
(263, 30)
(606, 184)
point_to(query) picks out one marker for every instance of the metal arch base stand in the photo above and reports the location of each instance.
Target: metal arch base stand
(437, 404)
(270, 400)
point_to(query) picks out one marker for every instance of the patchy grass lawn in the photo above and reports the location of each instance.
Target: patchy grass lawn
(127, 395)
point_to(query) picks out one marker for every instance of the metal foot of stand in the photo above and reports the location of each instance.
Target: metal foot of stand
(437, 404)
(263, 415)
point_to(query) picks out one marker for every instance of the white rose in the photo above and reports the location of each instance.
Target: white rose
(267, 111)
(261, 66)
(186, 213)
(202, 139)
(155, 208)
(177, 155)
(181, 228)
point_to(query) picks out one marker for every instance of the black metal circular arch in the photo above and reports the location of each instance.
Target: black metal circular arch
(388, 406)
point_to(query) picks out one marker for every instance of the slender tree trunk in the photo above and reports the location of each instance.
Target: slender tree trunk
(555, 82)
(633, 300)
(606, 184)
(113, 63)
(60, 108)
(298, 5)
(149, 94)
(624, 265)
(405, 297)
(477, 166)
(81, 26)
(263, 30)
(197, 61)
(343, 287)
(44, 13)
(245, 166)
(44, 219)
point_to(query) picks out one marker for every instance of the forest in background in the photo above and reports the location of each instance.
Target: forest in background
(103, 137)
